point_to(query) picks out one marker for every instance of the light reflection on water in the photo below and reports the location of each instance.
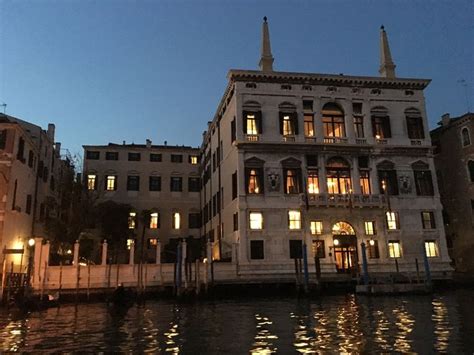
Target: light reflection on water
(343, 324)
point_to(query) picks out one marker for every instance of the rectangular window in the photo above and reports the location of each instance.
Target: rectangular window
(334, 126)
(154, 183)
(111, 183)
(369, 228)
(359, 126)
(176, 158)
(234, 185)
(193, 159)
(392, 221)
(232, 131)
(176, 183)
(152, 242)
(133, 156)
(423, 183)
(194, 184)
(91, 182)
(236, 221)
(154, 220)
(288, 124)
(256, 220)
(111, 155)
(292, 181)
(373, 249)
(254, 180)
(316, 227)
(388, 182)
(28, 204)
(313, 182)
(194, 220)
(252, 123)
(308, 125)
(296, 249)
(31, 158)
(3, 138)
(415, 127)
(319, 249)
(364, 182)
(394, 249)
(176, 220)
(154, 157)
(428, 220)
(92, 155)
(431, 249)
(132, 220)
(130, 242)
(381, 127)
(294, 219)
(133, 183)
(256, 250)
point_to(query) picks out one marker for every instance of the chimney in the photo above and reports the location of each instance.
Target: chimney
(166, 143)
(148, 143)
(50, 132)
(445, 119)
(124, 142)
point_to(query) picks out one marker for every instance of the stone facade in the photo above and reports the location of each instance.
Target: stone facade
(454, 160)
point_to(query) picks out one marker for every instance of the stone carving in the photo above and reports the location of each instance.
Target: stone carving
(405, 184)
(273, 181)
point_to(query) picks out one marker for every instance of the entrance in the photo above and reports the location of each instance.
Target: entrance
(345, 248)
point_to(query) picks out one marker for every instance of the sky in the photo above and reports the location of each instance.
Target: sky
(107, 71)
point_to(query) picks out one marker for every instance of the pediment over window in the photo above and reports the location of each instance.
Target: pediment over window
(412, 112)
(254, 162)
(251, 105)
(337, 162)
(287, 106)
(379, 111)
(386, 165)
(291, 163)
(420, 165)
(133, 172)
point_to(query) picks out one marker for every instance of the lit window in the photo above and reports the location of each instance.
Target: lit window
(333, 121)
(338, 176)
(132, 220)
(152, 242)
(91, 182)
(176, 220)
(394, 249)
(255, 178)
(369, 228)
(154, 220)
(313, 182)
(251, 124)
(294, 219)
(316, 227)
(288, 125)
(111, 183)
(427, 219)
(256, 220)
(130, 242)
(308, 125)
(431, 249)
(364, 182)
(193, 159)
(292, 181)
(392, 220)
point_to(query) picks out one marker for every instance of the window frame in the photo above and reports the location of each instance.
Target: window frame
(131, 185)
(394, 220)
(294, 220)
(429, 223)
(176, 183)
(431, 248)
(260, 222)
(154, 183)
(394, 253)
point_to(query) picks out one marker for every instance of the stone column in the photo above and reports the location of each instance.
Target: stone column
(355, 174)
(318, 121)
(75, 258)
(104, 253)
(131, 259)
(323, 186)
(158, 252)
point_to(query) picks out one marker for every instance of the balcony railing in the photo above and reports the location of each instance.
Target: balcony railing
(252, 137)
(353, 200)
(361, 141)
(335, 139)
(415, 142)
(289, 138)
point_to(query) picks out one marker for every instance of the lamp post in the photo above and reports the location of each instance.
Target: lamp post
(31, 246)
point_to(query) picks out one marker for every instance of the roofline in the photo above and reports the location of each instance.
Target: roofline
(140, 146)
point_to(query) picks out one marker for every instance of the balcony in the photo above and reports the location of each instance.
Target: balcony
(361, 141)
(335, 140)
(415, 142)
(252, 137)
(350, 201)
(289, 138)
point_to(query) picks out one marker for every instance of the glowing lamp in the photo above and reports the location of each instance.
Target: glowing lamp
(336, 242)
(31, 242)
(372, 242)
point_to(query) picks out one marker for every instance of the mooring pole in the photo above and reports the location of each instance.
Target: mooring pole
(305, 268)
(364, 264)
(427, 267)
(178, 270)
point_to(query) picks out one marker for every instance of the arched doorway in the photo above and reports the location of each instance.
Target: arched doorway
(345, 248)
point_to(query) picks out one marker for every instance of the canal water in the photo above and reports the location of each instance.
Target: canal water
(443, 322)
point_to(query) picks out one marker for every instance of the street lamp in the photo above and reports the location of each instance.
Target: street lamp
(31, 246)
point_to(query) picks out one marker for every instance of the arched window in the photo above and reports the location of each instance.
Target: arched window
(333, 120)
(380, 123)
(470, 166)
(466, 138)
(414, 124)
(338, 176)
(342, 228)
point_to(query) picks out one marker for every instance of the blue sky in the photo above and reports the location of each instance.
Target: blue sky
(106, 71)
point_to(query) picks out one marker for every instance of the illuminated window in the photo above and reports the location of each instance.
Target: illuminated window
(380, 123)
(369, 228)
(392, 220)
(318, 249)
(193, 159)
(91, 182)
(313, 182)
(111, 183)
(316, 227)
(294, 219)
(132, 220)
(176, 220)
(338, 176)
(254, 180)
(288, 124)
(154, 220)
(152, 242)
(428, 220)
(308, 125)
(333, 121)
(256, 220)
(431, 249)
(252, 127)
(292, 185)
(394, 249)
(130, 242)
(364, 182)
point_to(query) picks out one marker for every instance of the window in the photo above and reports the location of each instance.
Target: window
(369, 228)
(133, 183)
(176, 220)
(132, 220)
(154, 157)
(338, 176)
(233, 131)
(358, 119)
(31, 159)
(28, 204)
(380, 123)
(288, 124)
(414, 124)
(176, 158)
(316, 227)
(256, 220)
(292, 181)
(154, 183)
(111, 183)
(294, 219)
(387, 178)
(431, 249)
(134, 157)
(111, 155)
(254, 180)
(428, 220)
(423, 183)
(21, 150)
(193, 159)
(333, 121)
(176, 183)
(194, 220)
(313, 182)
(236, 221)
(234, 185)
(154, 220)
(319, 250)
(130, 242)
(373, 249)
(194, 184)
(91, 182)
(364, 182)
(252, 123)
(92, 155)
(256, 250)
(152, 242)
(394, 249)
(296, 249)
(470, 167)
(3, 138)
(466, 138)
(392, 220)
(308, 118)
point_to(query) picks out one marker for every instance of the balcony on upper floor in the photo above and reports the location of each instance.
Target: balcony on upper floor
(347, 200)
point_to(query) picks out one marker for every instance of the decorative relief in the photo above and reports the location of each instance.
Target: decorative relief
(405, 184)
(273, 178)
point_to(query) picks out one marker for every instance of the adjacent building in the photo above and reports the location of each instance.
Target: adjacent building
(454, 160)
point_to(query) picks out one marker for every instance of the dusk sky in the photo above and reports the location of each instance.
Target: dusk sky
(108, 71)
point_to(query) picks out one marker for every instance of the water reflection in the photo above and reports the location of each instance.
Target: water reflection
(264, 338)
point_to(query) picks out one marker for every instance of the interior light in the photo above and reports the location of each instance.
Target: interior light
(31, 242)
(336, 242)
(372, 242)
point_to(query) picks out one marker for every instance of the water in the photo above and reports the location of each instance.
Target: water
(343, 323)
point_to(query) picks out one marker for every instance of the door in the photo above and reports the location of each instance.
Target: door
(345, 254)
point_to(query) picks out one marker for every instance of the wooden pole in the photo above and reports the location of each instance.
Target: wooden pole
(44, 279)
(146, 276)
(60, 278)
(9, 286)
(4, 278)
(78, 277)
(108, 269)
(88, 279)
(417, 270)
(117, 276)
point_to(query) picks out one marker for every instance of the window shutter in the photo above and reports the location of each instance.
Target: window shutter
(258, 117)
(387, 127)
(244, 121)
(105, 182)
(374, 130)
(294, 118)
(261, 180)
(115, 182)
(299, 179)
(281, 122)
(247, 178)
